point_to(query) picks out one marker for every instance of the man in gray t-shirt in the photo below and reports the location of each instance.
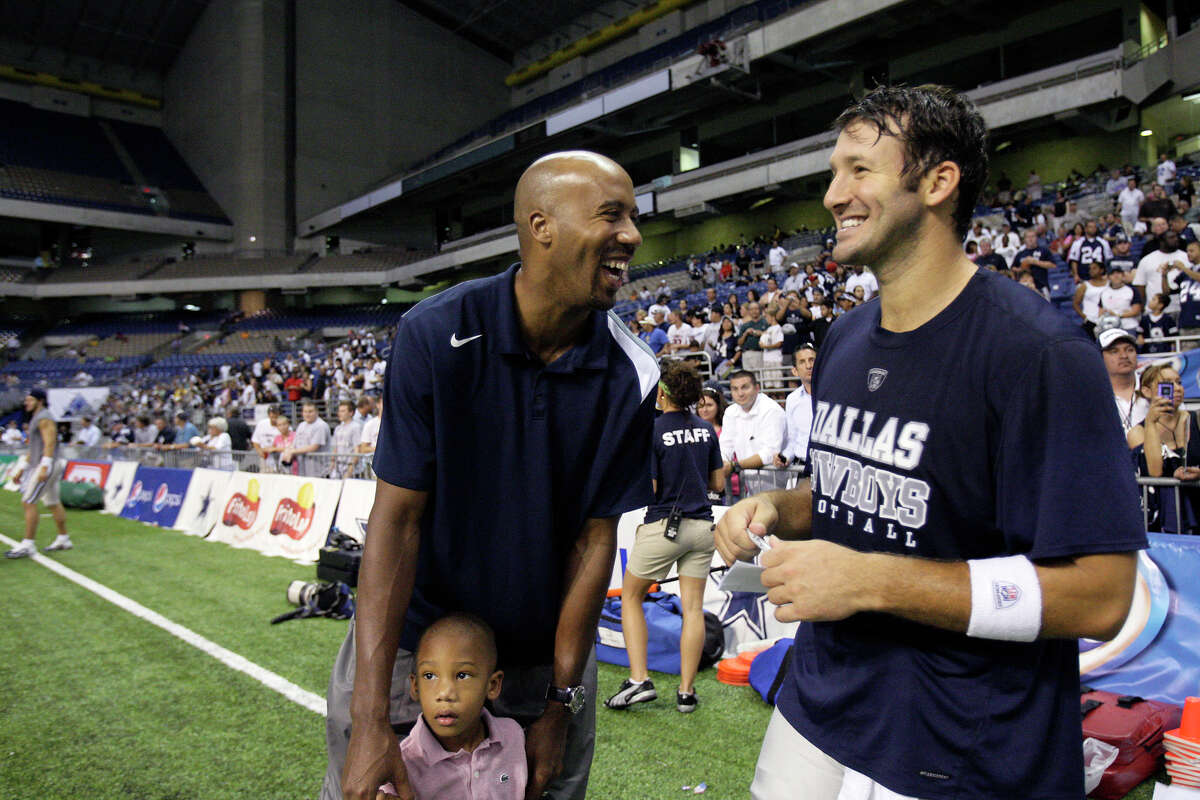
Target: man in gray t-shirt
(39, 472)
(312, 437)
(346, 437)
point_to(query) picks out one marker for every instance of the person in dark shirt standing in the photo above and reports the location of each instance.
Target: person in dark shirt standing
(686, 466)
(239, 430)
(1036, 260)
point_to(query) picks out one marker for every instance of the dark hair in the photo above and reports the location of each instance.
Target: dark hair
(463, 622)
(719, 397)
(744, 373)
(682, 383)
(933, 124)
(805, 346)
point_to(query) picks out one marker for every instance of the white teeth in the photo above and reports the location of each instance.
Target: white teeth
(851, 223)
(617, 265)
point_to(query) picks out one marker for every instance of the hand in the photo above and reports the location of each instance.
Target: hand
(1158, 407)
(1187, 473)
(545, 745)
(813, 580)
(372, 760)
(42, 474)
(780, 461)
(757, 514)
(18, 472)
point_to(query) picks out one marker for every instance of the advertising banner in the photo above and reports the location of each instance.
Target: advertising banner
(8, 463)
(116, 488)
(202, 504)
(157, 495)
(87, 472)
(279, 515)
(1155, 655)
(355, 506)
(74, 403)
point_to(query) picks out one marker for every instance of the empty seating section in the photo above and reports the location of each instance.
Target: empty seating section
(376, 260)
(50, 157)
(135, 344)
(127, 271)
(213, 266)
(248, 342)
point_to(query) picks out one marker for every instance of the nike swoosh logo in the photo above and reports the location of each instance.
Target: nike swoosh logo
(457, 342)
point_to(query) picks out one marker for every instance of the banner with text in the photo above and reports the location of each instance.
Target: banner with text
(201, 505)
(355, 506)
(157, 495)
(87, 472)
(116, 488)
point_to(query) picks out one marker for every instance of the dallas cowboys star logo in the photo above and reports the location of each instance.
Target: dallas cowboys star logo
(744, 608)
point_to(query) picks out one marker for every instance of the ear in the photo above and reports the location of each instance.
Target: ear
(412, 686)
(541, 227)
(494, 683)
(940, 184)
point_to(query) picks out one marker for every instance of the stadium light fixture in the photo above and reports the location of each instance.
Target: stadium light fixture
(190, 307)
(253, 238)
(1194, 97)
(762, 202)
(1147, 132)
(1003, 145)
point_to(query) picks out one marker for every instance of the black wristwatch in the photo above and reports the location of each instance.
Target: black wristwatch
(573, 697)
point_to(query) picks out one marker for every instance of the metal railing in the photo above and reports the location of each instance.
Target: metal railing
(1151, 484)
(313, 465)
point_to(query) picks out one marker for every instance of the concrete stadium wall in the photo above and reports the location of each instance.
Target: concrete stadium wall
(665, 238)
(1053, 159)
(378, 87)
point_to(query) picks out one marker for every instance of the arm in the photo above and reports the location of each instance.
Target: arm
(786, 514)
(716, 481)
(384, 589)
(49, 433)
(588, 569)
(1077, 301)
(818, 580)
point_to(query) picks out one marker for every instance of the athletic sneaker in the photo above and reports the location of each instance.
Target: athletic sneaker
(22, 550)
(60, 543)
(686, 703)
(631, 693)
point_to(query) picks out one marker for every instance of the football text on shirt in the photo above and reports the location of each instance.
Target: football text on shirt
(843, 485)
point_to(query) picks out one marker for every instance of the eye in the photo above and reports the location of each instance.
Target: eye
(427, 676)
(464, 675)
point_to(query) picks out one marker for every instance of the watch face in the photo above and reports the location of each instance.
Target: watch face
(578, 699)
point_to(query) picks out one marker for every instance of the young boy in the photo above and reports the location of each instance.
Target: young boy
(457, 748)
(1156, 325)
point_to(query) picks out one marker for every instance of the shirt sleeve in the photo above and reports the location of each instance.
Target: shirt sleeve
(625, 484)
(727, 436)
(404, 455)
(1059, 421)
(772, 430)
(1073, 254)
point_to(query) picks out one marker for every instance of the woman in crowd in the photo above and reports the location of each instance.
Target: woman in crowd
(727, 347)
(1167, 445)
(771, 343)
(282, 446)
(685, 466)
(711, 407)
(218, 441)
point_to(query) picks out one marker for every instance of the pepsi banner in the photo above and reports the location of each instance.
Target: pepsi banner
(157, 495)
(1156, 655)
(87, 472)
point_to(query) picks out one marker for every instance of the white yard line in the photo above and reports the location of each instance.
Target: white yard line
(278, 683)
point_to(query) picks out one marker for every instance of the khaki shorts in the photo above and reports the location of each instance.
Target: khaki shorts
(653, 553)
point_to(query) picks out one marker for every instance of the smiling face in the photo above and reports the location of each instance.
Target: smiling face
(872, 209)
(454, 676)
(584, 221)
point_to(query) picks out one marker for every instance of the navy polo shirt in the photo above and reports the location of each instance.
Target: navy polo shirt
(685, 452)
(988, 431)
(516, 455)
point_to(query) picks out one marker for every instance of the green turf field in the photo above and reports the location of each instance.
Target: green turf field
(96, 703)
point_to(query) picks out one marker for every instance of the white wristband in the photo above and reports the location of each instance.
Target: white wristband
(47, 462)
(1006, 599)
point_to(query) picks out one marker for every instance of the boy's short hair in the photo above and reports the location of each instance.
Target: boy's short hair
(469, 624)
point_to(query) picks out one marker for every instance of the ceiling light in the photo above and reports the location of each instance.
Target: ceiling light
(1003, 145)
(1147, 132)
(1194, 97)
(190, 307)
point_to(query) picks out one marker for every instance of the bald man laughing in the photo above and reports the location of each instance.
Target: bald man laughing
(516, 432)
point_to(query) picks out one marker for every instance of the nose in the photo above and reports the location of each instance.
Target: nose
(629, 234)
(446, 690)
(836, 198)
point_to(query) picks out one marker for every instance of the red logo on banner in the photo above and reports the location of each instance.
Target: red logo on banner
(293, 518)
(242, 509)
(87, 472)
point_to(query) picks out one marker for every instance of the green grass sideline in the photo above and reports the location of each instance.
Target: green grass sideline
(98, 703)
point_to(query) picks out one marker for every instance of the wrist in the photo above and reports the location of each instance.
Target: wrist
(877, 582)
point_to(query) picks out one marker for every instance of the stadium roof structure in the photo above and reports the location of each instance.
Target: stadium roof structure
(138, 34)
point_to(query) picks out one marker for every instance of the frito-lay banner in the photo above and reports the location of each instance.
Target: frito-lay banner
(87, 472)
(278, 515)
(116, 488)
(202, 503)
(157, 495)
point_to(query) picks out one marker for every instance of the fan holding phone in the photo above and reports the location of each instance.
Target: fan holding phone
(1167, 444)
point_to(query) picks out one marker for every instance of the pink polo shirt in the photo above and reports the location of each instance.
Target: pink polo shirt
(495, 770)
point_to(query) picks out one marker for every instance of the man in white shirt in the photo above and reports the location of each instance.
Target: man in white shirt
(680, 335)
(1130, 202)
(1157, 270)
(798, 408)
(754, 426)
(775, 257)
(89, 434)
(864, 278)
(1119, 349)
(1115, 184)
(1165, 172)
(312, 437)
(346, 438)
(1119, 299)
(370, 433)
(12, 435)
(978, 231)
(771, 295)
(1006, 243)
(265, 433)
(794, 282)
